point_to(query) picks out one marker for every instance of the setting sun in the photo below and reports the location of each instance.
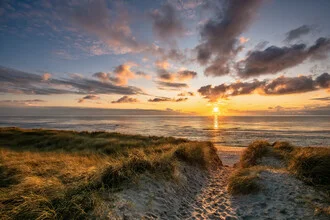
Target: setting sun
(216, 110)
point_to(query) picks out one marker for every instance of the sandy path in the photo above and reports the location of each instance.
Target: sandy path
(213, 202)
(282, 197)
(202, 196)
(229, 155)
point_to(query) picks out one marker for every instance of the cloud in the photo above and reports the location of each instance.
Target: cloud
(173, 81)
(220, 35)
(323, 80)
(171, 85)
(322, 98)
(183, 75)
(121, 74)
(160, 99)
(102, 76)
(125, 99)
(162, 64)
(163, 74)
(181, 99)
(243, 40)
(276, 108)
(186, 75)
(110, 26)
(163, 54)
(278, 86)
(88, 97)
(167, 23)
(166, 99)
(298, 32)
(289, 85)
(17, 82)
(274, 59)
(46, 76)
(141, 74)
(261, 45)
(186, 94)
(28, 102)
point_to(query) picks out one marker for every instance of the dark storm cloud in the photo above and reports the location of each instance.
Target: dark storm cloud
(220, 35)
(18, 82)
(125, 99)
(167, 23)
(298, 32)
(274, 59)
(166, 99)
(278, 86)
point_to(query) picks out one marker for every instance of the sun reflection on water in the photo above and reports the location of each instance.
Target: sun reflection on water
(215, 123)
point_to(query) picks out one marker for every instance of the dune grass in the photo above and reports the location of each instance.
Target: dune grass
(310, 164)
(254, 152)
(50, 174)
(244, 181)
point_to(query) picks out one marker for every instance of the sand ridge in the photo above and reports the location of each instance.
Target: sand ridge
(198, 195)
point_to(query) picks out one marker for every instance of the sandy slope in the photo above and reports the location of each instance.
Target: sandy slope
(201, 196)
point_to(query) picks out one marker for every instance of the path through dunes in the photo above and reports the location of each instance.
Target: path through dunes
(205, 196)
(282, 196)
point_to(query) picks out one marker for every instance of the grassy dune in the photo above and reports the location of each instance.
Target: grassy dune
(53, 174)
(310, 164)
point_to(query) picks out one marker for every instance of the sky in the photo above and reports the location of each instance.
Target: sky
(244, 57)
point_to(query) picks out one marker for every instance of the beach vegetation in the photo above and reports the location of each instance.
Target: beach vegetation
(253, 153)
(244, 180)
(53, 174)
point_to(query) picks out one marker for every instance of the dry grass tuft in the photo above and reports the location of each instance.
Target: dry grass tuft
(283, 146)
(244, 181)
(50, 174)
(254, 152)
(312, 164)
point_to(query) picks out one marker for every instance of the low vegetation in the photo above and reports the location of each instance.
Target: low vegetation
(244, 181)
(254, 152)
(49, 174)
(310, 164)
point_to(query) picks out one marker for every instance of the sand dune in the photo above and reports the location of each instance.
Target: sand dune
(200, 196)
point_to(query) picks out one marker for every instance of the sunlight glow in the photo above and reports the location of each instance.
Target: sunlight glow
(215, 122)
(216, 110)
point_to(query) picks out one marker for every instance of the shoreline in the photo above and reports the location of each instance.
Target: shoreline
(229, 155)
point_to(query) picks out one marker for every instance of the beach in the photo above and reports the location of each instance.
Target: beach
(115, 176)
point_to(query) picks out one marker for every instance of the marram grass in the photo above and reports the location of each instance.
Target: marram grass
(53, 174)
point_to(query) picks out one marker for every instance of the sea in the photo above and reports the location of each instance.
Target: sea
(236, 131)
